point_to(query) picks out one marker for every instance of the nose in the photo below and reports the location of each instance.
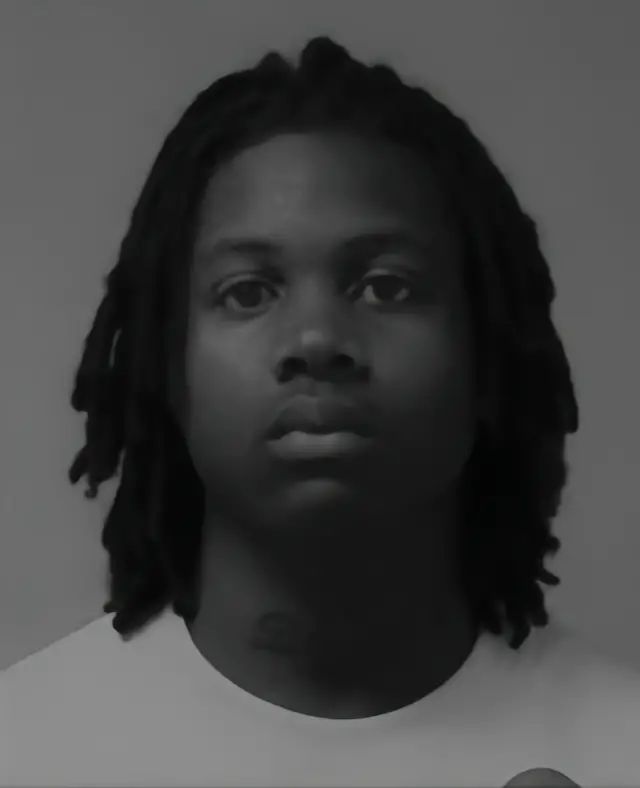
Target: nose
(318, 356)
(320, 348)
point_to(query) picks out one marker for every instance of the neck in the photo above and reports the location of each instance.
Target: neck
(351, 623)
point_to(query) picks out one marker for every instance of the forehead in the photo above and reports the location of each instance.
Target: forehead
(318, 182)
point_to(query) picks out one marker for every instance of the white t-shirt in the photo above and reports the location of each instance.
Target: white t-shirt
(93, 709)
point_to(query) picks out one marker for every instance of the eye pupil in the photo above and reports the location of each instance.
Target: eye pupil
(243, 289)
(385, 286)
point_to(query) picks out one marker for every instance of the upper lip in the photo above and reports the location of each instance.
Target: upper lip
(319, 414)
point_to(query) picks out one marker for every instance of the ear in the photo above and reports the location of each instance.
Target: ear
(535, 778)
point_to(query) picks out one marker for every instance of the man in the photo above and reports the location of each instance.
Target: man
(342, 406)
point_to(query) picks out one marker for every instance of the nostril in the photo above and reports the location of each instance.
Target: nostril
(343, 361)
(291, 367)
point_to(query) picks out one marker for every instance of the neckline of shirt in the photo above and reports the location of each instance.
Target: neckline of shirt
(268, 709)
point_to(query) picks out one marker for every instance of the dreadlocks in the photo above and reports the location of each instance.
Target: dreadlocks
(130, 362)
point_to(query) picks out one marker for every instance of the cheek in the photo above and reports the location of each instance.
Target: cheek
(431, 403)
(220, 409)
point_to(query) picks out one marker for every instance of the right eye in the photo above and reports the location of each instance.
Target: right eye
(245, 291)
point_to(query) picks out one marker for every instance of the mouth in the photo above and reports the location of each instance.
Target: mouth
(302, 445)
(319, 416)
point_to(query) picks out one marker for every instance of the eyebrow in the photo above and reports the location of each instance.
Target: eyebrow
(364, 244)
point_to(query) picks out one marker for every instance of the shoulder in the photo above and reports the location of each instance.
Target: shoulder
(572, 668)
(563, 678)
(70, 696)
(591, 703)
(579, 660)
(57, 675)
(63, 660)
(572, 706)
(608, 686)
(40, 692)
(70, 665)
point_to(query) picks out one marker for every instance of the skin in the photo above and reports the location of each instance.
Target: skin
(331, 590)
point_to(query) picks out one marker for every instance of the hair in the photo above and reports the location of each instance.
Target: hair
(517, 471)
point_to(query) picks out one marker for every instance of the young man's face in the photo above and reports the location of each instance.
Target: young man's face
(311, 315)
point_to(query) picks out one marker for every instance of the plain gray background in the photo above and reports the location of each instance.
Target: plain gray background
(89, 90)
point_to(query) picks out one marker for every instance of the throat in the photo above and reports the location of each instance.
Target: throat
(339, 680)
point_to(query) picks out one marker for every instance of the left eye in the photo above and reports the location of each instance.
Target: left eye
(385, 285)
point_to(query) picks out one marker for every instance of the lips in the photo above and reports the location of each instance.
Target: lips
(319, 415)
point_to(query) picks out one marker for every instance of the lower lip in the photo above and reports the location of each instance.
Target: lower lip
(308, 445)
